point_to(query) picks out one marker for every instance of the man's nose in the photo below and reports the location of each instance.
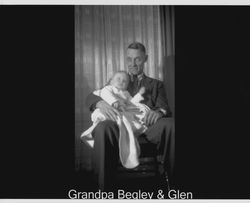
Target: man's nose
(133, 63)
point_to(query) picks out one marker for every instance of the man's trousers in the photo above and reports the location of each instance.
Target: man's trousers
(106, 150)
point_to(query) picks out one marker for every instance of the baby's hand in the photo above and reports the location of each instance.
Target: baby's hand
(116, 104)
(142, 90)
(120, 105)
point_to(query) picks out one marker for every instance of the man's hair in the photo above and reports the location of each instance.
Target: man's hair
(137, 45)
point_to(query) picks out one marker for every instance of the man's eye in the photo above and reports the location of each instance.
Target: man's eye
(138, 59)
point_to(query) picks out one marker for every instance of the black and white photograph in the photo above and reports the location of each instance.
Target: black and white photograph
(126, 102)
(125, 96)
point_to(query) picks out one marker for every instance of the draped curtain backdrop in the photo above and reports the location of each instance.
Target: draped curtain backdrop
(102, 34)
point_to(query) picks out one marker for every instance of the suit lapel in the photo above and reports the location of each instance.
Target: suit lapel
(145, 82)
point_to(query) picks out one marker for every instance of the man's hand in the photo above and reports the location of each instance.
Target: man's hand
(107, 110)
(151, 117)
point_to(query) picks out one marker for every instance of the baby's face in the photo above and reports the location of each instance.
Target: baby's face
(120, 81)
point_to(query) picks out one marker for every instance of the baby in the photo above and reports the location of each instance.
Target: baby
(116, 94)
(130, 123)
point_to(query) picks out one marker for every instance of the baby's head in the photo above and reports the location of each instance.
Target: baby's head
(120, 80)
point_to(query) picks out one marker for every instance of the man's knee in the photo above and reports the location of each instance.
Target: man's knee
(167, 122)
(103, 126)
(106, 130)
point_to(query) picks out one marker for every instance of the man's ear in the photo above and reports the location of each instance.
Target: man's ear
(145, 58)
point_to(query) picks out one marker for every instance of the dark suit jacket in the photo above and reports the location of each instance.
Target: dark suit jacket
(154, 97)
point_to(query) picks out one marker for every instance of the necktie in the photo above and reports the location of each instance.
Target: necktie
(135, 84)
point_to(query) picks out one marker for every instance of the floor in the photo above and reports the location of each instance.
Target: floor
(132, 184)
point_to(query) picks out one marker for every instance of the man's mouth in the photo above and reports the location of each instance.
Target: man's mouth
(134, 69)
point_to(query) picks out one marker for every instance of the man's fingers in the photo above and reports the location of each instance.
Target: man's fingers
(116, 112)
(111, 115)
(155, 118)
(148, 118)
(108, 110)
(145, 118)
(151, 118)
(108, 116)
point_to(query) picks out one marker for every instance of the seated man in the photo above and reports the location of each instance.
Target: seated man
(161, 130)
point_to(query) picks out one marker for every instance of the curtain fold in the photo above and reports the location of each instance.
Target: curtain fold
(168, 39)
(102, 36)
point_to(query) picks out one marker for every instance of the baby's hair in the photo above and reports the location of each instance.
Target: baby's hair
(119, 71)
(108, 83)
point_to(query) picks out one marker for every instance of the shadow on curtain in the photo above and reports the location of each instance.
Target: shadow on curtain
(102, 34)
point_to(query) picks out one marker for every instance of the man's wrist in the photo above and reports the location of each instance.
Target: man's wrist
(162, 112)
(98, 104)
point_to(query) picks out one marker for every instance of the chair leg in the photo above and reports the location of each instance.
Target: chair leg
(166, 180)
(164, 176)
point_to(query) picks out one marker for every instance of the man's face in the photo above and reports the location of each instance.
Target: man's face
(135, 61)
